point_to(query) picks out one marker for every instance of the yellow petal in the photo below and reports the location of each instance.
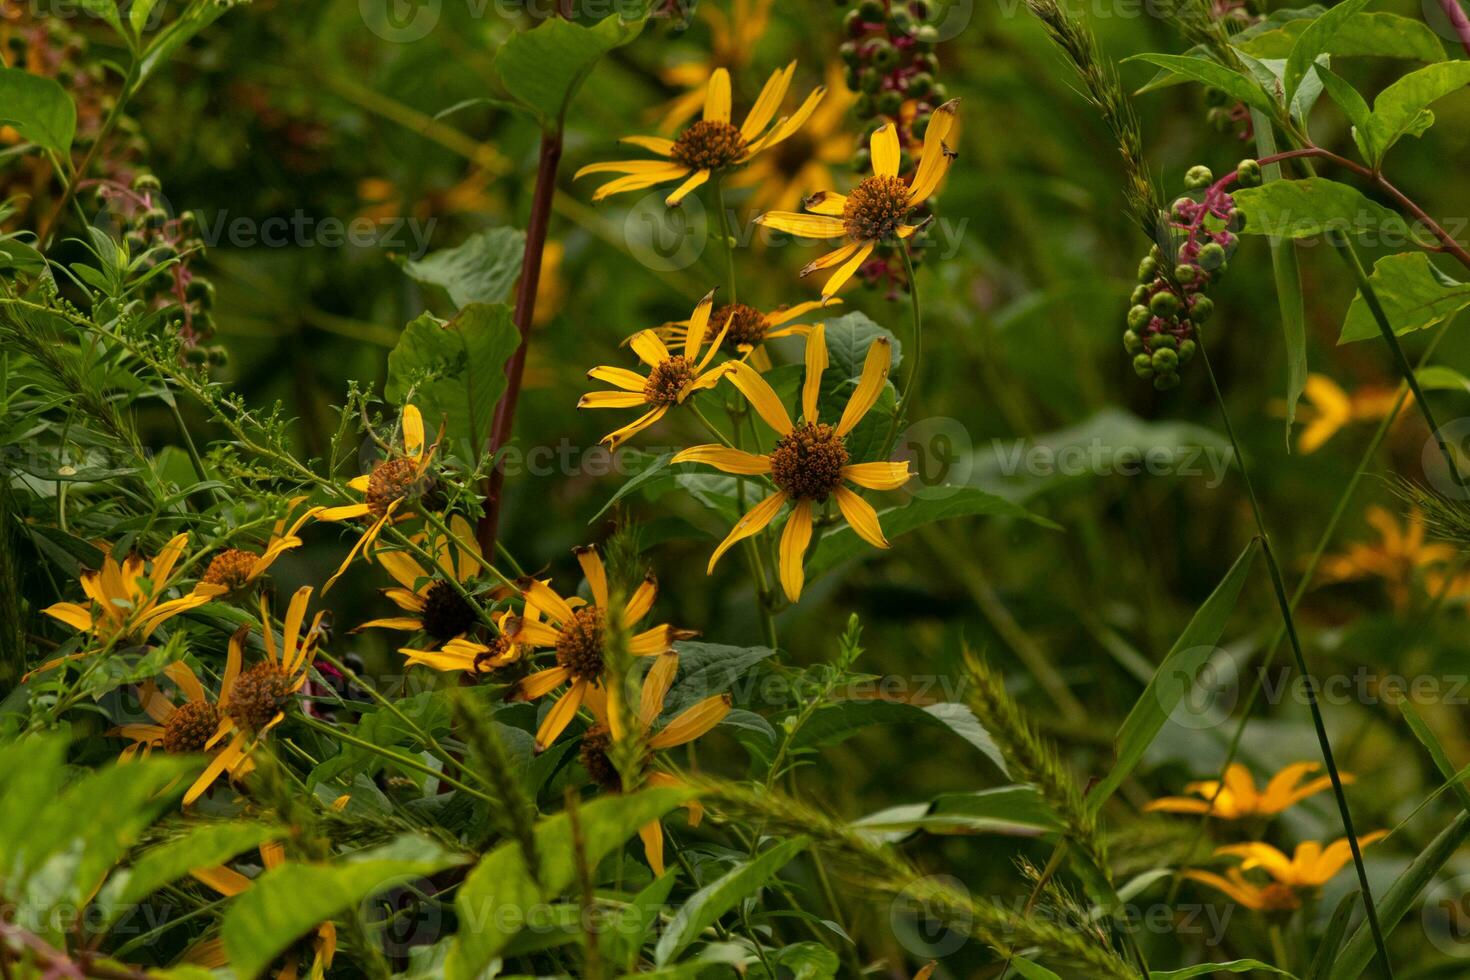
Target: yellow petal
(717, 97)
(653, 846)
(636, 168)
(542, 682)
(804, 225)
(612, 399)
(657, 144)
(617, 437)
(560, 715)
(413, 431)
(826, 202)
(861, 516)
(877, 476)
(637, 182)
(692, 722)
(816, 363)
(596, 573)
(546, 599)
(656, 687)
(794, 541)
(641, 601)
(787, 127)
(622, 377)
(883, 145)
(71, 614)
(755, 519)
(936, 156)
(698, 324)
(695, 180)
(725, 460)
(839, 278)
(870, 385)
(761, 396)
(649, 348)
(766, 104)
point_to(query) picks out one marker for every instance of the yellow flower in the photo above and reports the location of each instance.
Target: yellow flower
(577, 631)
(803, 165)
(391, 483)
(671, 377)
(747, 329)
(126, 598)
(236, 568)
(228, 882)
(1310, 867)
(732, 40)
(1238, 798)
(809, 462)
(711, 145)
(255, 700)
(186, 727)
(1331, 409)
(682, 729)
(876, 209)
(436, 606)
(1398, 557)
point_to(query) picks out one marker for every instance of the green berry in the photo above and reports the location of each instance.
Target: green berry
(1248, 173)
(1186, 351)
(1165, 360)
(1163, 382)
(1132, 343)
(884, 56)
(1214, 96)
(147, 184)
(1143, 366)
(1201, 309)
(920, 84)
(1212, 256)
(1139, 296)
(870, 80)
(871, 10)
(1184, 273)
(1164, 303)
(1138, 317)
(1148, 270)
(1163, 340)
(1198, 176)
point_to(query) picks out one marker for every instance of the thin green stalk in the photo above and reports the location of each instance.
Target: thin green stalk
(403, 760)
(1324, 743)
(915, 357)
(728, 239)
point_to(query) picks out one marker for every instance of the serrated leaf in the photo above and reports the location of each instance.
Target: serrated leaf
(544, 67)
(1414, 294)
(38, 108)
(705, 907)
(1313, 206)
(481, 269)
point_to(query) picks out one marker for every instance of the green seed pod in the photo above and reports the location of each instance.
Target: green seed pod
(1163, 382)
(863, 107)
(1201, 309)
(921, 9)
(920, 126)
(1143, 366)
(1164, 303)
(853, 23)
(1178, 208)
(197, 356)
(1138, 316)
(1163, 340)
(1219, 120)
(862, 161)
(926, 61)
(165, 253)
(1148, 269)
(871, 10)
(1248, 173)
(848, 50)
(154, 218)
(900, 20)
(200, 291)
(1237, 219)
(870, 81)
(1184, 273)
(939, 94)
(1186, 351)
(926, 36)
(1139, 296)
(1165, 360)
(1132, 343)
(1212, 256)
(218, 356)
(1198, 176)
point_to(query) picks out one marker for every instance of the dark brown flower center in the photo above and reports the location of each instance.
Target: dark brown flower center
(190, 727)
(667, 381)
(390, 480)
(579, 647)
(257, 695)
(1279, 897)
(748, 325)
(876, 208)
(230, 568)
(599, 765)
(709, 145)
(446, 613)
(807, 464)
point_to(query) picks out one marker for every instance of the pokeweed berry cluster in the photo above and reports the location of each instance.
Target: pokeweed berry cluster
(172, 242)
(890, 66)
(1169, 303)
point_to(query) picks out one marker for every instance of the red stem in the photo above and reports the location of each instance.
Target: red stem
(525, 310)
(1458, 21)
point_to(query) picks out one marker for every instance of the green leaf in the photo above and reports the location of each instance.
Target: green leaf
(808, 961)
(1216, 75)
(202, 847)
(196, 17)
(1440, 377)
(1008, 810)
(38, 108)
(138, 16)
(1415, 296)
(835, 723)
(707, 669)
(1351, 103)
(501, 883)
(288, 901)
(937, 504)
(704, 908)
(455, 371)
(544, 67)
(1206, 969)
(482, 269)
(627, 933)
(1313, 42)
(1174, 677)
(1402, 108)
(1366, 34)
(1314, 206)
(1033, 971)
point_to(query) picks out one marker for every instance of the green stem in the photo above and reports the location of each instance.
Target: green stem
(1324, 743)
(915, 356)
(729, 239)
(408, 762)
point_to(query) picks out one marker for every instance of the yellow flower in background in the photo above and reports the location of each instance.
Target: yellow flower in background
(434, 604)
(671, 377)
(809, 462)
(1330, 409)
(187, 727)
(877, 208)
(228, 882)
(804, 164)
(1238, 799)
(576, 631)
(732, 40)
(236, 568)
(392, 482)
(711, 145)
(1399, 558)
(747, 328)
(688, 725)
(1310, 867)
(126, 599)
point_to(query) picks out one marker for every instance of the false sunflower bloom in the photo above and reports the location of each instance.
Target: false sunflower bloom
(178, 728)
(1331, 409)
(1401, 557)
(683, 728)
(671, 377)
(1310, 867)
(255, 700)
(471, 656)
(710, 145)
(228, 882)
(392, 483)
(875, 210)
(433, 603)
(1238, 798)
(747, 329)
(804, 164)
(577, 632)
(238, 568)
(809, 462)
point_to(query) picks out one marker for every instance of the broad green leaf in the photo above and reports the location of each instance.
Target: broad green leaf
(1403, 107)
(1414, 294)
(1313, 42)
(1174, 677)
(1351, 103)
(939, 503)
(707, 669)
(1441, 377)
(286, 902)
(1032, 971)
(1276, 18)
(1402, 895)
(454, 372)
(1366, 34)
(1006, 810)
(625, 938)
(482, 269)
(108, 11)
(1214, 74)
(492, 902)
(835, 723)
(705, 907)
(202, 847)
(808, 961)
(1314, 206)
(38, 108)
(544, 67)
(1208, 969)
(654, 477)
(1289, 298)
